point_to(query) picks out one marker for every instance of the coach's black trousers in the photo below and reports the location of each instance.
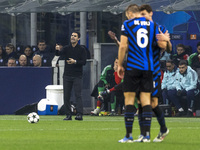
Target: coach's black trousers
(76, 84)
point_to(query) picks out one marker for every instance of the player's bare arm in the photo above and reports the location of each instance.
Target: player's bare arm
(169, 44)
(162, 40)
(121, 55)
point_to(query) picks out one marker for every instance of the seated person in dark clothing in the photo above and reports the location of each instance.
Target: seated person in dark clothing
(11, 62)
(22, 60)
(181, 54)
(45, 53)
(37, 61)
(194, 59)
(29, 55)
(10, 52)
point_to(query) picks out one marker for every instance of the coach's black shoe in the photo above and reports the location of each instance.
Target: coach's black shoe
(79, 117)
(180, 114)
(69, 117)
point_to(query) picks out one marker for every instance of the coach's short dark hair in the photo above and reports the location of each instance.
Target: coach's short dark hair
(146, 7)
(183, 62)
(79, 35)
(133, 8)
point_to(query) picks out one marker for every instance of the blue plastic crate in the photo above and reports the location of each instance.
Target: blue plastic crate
(50, 110)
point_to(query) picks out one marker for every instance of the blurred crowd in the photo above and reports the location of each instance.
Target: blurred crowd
(40, 55)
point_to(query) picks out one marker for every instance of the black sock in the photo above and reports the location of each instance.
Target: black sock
(129, 119)
(146, 119)
(140, 117)
(160, 117)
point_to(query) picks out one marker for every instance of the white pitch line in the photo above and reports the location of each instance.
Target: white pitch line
(96, 129)
(65, 129)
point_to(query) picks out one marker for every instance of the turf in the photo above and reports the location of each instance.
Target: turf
(101, 133)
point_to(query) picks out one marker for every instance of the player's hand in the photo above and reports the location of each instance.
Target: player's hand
(71, 61)
(120, 72)
(162, 37)
(167, 34)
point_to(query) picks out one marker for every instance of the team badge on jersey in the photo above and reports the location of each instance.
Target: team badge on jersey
(122, 28)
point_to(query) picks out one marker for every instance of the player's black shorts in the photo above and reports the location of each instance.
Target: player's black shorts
(156, 87)
(138, 80)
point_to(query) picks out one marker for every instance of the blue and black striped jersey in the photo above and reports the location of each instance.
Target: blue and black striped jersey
(141, 36)
(156, 65)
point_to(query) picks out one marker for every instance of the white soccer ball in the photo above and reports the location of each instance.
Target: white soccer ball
(33, 117)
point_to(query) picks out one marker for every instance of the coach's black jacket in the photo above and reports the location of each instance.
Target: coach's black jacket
(79, 54)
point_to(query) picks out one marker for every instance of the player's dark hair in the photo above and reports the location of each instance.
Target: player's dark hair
(146, 7)
(133, 8)
(183, 62)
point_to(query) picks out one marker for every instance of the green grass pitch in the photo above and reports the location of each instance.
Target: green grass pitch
(95, 133)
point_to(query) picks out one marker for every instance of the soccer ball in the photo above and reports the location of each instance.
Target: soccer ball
(33, 117)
